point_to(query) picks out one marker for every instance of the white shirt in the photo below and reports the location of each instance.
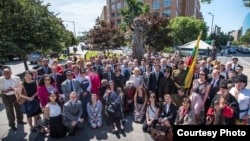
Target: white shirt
(7, 85)
(243, 100)
(54, 110)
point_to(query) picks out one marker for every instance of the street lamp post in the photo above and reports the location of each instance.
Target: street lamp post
(212, 22)
(73, 25)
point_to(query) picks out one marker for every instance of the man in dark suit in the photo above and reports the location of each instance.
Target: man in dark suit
(215, 81)
(39, 64)
(35, 75)
(72, 112)
(58, 78)
(45, 69)
(70, 85)
(154, 80)
(239, 70)
(169, 112)
(109, 74)
(203, 66)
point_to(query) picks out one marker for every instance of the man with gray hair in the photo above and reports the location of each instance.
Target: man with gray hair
(9, 85)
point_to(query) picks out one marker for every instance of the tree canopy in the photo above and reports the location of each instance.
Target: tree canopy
(156, 33)
(105, 36)
(186, 29)
(27, 26)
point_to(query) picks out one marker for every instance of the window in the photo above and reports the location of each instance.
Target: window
(118, 14)
(156, 4)
(167, 3)
(124, 4)
(113, 7)
(156, 13)
(166, 13)
(118, 21)
(112, 15)
(118, 5)
(112, 1)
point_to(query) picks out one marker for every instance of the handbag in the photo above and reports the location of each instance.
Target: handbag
(21, 100)
(112, 108)
(158, 135)
(31, 107)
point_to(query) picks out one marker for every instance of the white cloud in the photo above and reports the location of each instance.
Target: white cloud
(82, 12)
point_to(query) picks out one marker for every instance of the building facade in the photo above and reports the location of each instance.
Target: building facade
(168, 8)
(236, 34)
(246, 24)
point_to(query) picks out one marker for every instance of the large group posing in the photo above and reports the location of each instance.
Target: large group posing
(108, 89)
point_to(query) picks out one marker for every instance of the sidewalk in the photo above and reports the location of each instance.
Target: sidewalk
(22, 133)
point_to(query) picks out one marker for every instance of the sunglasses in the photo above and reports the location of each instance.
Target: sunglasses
(202, 74)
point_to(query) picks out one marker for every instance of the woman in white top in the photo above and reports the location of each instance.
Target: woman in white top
(152, 113)
(52, 113)
(136, 77)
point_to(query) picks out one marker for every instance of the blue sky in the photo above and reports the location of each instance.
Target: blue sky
(228, 14)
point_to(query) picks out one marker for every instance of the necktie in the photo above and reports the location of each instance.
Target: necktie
(46, 70)
(54, 76)
(71, 86)
(213, 83)
(157, 76)
(73, 104)
(109, 76)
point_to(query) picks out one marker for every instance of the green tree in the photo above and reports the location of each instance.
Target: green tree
(222, 39)
(104, 36)
(27, 26)
(186, 29)
(246, 38)
(134, 9)
(156, 33)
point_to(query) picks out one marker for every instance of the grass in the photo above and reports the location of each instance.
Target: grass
(96, 53)
(168, 50)
(62, 57)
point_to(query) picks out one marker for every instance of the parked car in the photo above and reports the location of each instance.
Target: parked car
(245, 51)
(33, 57)
(232, 50)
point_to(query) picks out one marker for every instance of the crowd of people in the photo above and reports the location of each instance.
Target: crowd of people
(152, 90)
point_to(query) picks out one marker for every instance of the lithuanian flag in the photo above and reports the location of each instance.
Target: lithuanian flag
(191, 62)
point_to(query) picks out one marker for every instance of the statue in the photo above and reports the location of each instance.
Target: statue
(137, 27)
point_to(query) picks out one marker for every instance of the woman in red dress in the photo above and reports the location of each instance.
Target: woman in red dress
(95, 81)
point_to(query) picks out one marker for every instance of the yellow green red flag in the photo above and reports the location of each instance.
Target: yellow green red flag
(191, 62)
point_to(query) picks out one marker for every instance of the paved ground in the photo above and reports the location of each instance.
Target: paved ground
(133, 132)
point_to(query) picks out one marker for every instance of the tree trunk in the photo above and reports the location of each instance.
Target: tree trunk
(25, 64)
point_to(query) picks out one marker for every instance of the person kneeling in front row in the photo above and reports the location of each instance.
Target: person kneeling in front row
(72, 112)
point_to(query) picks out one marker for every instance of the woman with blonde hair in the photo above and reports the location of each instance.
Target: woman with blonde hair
(136, 77)
(140, 101)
